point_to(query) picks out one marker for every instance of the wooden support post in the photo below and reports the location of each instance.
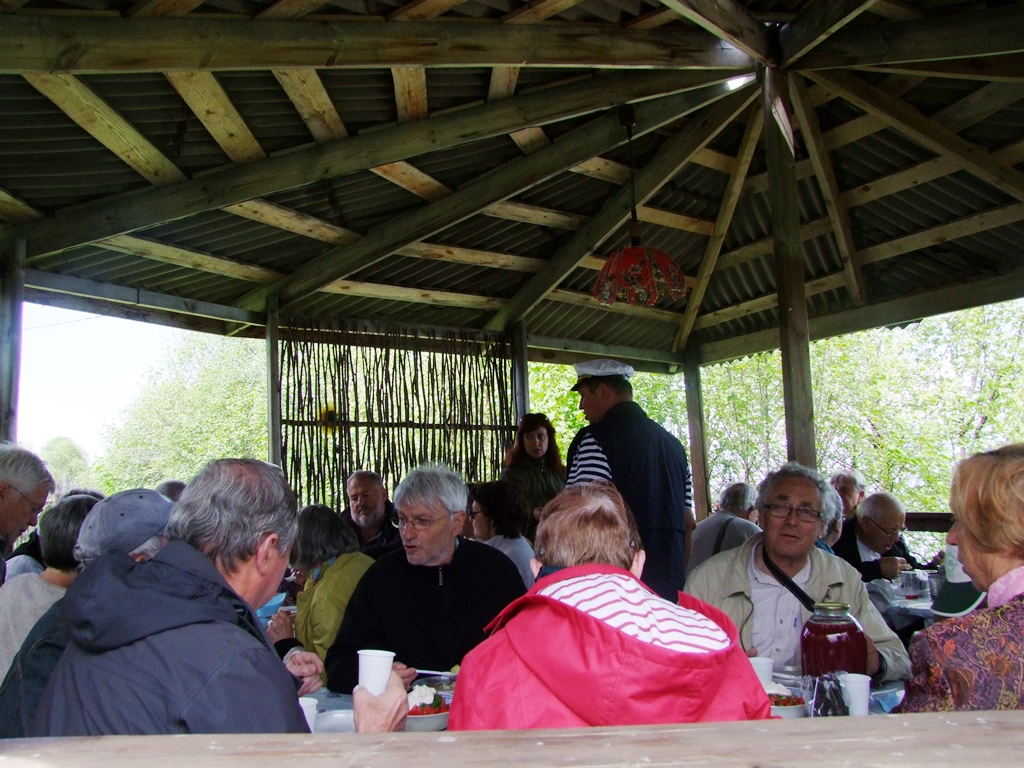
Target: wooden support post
(12, 291)
(520, 371)
(698, 442)
(273, 384)
(789, 269)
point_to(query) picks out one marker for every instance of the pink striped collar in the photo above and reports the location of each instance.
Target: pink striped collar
(1006, 587)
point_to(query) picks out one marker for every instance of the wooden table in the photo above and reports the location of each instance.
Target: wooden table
(924, 741)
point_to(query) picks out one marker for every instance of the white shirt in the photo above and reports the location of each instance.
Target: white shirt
(867, 554)
(777, 619)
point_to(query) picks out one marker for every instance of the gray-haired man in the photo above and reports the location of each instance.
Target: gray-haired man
(25, 484)
(173, 645)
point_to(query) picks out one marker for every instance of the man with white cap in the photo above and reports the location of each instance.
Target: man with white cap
(132, 522)
(647, 463)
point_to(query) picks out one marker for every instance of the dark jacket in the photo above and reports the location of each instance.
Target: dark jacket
(30, 672)
(650, 469)
(164, 647)
(429, 616)
(387, 540)
(846, 548)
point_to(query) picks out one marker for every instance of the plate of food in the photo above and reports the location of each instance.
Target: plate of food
(444, 685)
(428, 710)
(786, 703)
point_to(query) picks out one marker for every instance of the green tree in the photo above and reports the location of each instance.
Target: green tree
(208, 401)
(67, 463)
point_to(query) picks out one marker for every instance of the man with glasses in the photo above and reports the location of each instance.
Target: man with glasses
(429, 602)
(795, 505)
(868, 537)
(25, 484)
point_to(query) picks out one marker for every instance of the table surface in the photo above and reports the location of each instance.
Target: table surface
(924, 741)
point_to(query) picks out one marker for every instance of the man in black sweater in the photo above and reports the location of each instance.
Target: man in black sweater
(430, 602)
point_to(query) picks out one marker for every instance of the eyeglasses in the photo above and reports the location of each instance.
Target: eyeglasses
(803, 514)
(35, 510)
(888, 534)
(417, 523)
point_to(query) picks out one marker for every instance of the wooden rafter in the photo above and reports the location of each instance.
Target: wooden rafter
(103, 123)
(210, 103)
(423, 9)
(768, 301)
(168, 8)
(44, 44)
(897, 9)
(410, 93)
(15, 210)
(815, 23)
(673, 155)
(990, 32)
(237, 184)
(731, 196)
(908, 121)
(822, 164)
(306, 91)
(289, 9)
(1009, 68)
(587, 141)
(727, 20)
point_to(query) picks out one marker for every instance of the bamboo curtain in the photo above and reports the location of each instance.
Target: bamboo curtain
(387, 398)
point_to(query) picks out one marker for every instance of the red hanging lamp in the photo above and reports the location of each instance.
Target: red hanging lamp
(635, 272)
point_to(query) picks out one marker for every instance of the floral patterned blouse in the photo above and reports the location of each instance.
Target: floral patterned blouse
(970, 662)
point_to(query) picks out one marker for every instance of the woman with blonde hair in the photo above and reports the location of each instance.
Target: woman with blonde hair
(589, 620)
(976, 661)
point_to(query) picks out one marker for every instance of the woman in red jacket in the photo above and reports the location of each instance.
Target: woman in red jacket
(589, 644)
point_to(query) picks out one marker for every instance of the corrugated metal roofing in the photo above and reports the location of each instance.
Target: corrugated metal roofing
(54, 164)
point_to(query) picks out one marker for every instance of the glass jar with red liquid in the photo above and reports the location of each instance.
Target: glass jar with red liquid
(832, 640)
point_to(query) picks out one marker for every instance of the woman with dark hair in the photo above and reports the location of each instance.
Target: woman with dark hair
(534, 466)
(496, 510)
(327, 551)
(25, 598)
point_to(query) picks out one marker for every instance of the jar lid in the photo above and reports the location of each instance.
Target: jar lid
(831, 607)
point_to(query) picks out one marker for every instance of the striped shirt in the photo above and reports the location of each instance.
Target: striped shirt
(590, 465)
(624, 604)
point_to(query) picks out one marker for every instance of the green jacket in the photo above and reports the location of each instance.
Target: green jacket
(723, 582)
(321, 604)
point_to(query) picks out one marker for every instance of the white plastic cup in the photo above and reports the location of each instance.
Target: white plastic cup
(859, 689)
(375, 670)
(308, 704)
(763, 668)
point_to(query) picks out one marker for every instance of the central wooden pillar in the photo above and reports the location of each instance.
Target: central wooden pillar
(794, 338)
(698, 441)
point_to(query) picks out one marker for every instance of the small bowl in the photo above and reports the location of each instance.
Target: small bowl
(335, 721)
(787, 713)
(427, 722)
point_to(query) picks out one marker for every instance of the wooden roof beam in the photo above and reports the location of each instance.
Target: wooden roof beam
(45, 44)
(821, 160)
(726, 20)
(209, 102)
(1008, 68)
(988, 32)
(815, 23)
(237, 184)
(597, 136)
(713, 249)
(675, 153)
(904, 118)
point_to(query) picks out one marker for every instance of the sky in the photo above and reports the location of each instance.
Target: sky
(108, 361)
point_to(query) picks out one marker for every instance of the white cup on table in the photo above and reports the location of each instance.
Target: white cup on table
(858, 687)
(375, 670)
(764, 666)
(308, 704)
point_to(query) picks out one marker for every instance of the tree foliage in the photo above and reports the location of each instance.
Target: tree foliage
(67, 463)
(902, 405)
(208, 401)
